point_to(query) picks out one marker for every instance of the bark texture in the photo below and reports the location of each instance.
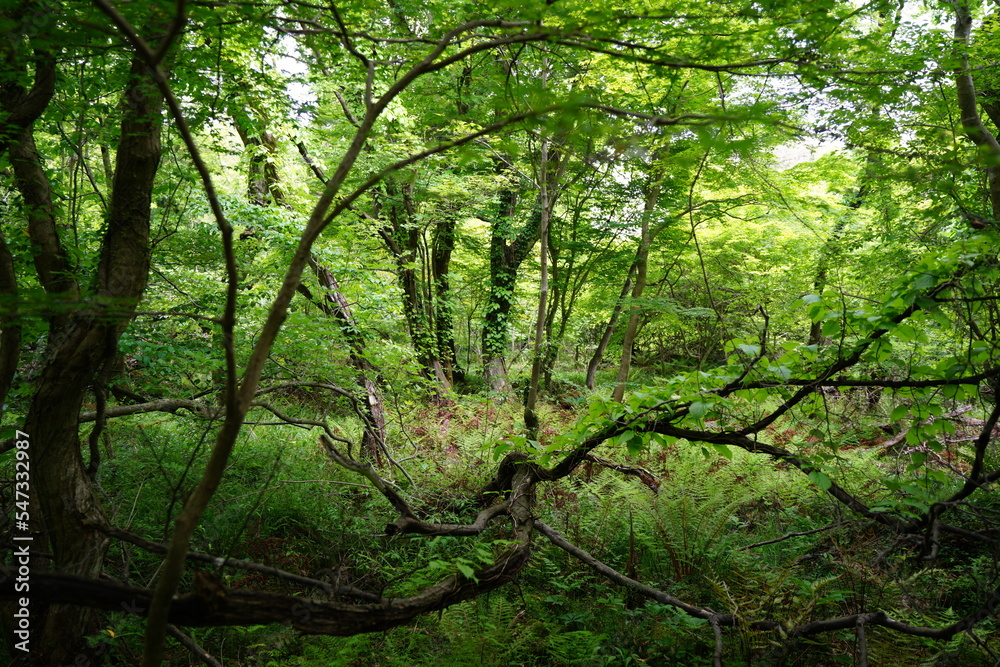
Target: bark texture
(632, 328)
(82, 342)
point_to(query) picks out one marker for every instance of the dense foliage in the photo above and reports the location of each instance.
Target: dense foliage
(555, 333)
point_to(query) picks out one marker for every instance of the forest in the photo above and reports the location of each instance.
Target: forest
(575, 332)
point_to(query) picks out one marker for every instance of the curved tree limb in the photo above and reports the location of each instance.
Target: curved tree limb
(968, 103)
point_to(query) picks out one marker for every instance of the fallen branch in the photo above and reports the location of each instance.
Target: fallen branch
(220, 562)
(645, 476)
(987, 609)
(787, 536)
(192, 646)
(642, 589)
(159, 405)
(407, 521)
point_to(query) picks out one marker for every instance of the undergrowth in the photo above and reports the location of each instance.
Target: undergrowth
(712, 535)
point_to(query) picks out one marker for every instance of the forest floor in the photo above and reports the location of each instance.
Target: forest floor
(738, 534)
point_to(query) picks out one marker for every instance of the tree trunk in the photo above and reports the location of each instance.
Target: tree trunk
(10, 329)
(507, 252)
(402, 238)
(652, 198)
(530, 418)
(81, 344)
(968, 105)
(263, 181)
(609, 330)
(374, 439)
(443, 246)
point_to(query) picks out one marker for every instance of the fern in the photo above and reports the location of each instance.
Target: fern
(578, 647)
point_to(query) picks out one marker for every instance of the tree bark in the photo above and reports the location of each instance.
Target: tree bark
(263, 181)
(609, 329)
(402, 238)
(10, 330)
(530, 418)
(374, 439)
(337, 306)
(443, 246)
(649, 205)
(81, 343)
(968, 106)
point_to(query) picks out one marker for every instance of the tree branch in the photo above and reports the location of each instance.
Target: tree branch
(192, 646)
(219, 562)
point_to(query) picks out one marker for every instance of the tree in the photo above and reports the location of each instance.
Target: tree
(81, 342)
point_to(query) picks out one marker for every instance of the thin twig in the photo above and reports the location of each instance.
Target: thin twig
(787, 536)
(192, 646)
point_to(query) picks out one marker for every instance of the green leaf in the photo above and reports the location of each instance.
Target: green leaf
(500, 449)
(905, 332)
(723, 450)
(635, 445)
(821, 480)
(466, 571)
(697, 409)
(831, 327)
(899, 412)
(953, 391)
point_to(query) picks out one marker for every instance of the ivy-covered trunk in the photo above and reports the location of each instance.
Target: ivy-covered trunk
(443, 246)
(424, 282)
(263, 181)
(509, 246)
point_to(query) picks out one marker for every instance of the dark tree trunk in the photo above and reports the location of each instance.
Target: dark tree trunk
(402, 238)
(374, 439)
(81, 343)
(10, 330)
(443, 246)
